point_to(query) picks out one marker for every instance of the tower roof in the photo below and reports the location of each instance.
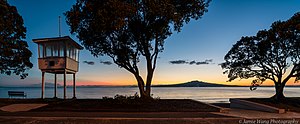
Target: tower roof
(53, 39)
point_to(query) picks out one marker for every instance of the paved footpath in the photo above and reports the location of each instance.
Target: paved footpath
(148, 117)
(230, 116)
(82, 120)
(251, 114)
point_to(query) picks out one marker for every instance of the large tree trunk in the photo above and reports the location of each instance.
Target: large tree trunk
(148, 83)
(141, 86)
(279, 96)
(150, 70)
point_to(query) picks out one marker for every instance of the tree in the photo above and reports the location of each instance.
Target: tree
(14, 52)
(272, 54)
(127, 30)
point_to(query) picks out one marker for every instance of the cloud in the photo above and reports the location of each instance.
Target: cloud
(208, 61)
(201, 63)
(89, 62)
(106, 62)
(205, 62)
(192, 62)
(178, 62)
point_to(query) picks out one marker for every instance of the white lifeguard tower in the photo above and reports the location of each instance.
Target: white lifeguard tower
(58, 55)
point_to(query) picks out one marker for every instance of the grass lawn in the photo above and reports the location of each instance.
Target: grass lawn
(115, 105)
(5, 101)
(289, 104)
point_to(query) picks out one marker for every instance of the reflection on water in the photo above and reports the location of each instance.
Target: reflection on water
(205, 94)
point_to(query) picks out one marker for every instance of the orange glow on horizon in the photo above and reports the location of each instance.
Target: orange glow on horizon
(166, 82)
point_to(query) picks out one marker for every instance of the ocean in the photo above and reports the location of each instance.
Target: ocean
(204, 94)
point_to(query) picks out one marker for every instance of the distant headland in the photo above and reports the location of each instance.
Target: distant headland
(194, 83)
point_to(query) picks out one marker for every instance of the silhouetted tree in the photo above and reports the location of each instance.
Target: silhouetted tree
(267, 56)
(125, 30)
(14, 52)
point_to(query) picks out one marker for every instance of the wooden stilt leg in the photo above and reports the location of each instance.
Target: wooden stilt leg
(74, 87)
(43, 85)
(65, 87)
(55, 86)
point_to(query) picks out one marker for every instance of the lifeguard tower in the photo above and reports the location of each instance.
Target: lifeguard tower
(58, 55)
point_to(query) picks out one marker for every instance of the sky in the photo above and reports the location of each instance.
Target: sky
(204, 40)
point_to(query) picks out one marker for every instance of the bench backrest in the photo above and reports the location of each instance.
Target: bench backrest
(16, 93)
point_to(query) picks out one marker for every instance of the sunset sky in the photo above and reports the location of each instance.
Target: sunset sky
(209, 38)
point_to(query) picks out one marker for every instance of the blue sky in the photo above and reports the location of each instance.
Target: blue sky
(211, 37)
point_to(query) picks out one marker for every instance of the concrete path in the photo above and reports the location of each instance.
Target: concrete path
(249, 105)
(80, 120)
(21, 107)
(252, 114)
(238, 117)
(16, 113)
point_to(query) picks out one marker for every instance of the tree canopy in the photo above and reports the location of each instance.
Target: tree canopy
(125, 30)
(272, 54)
(14, 52)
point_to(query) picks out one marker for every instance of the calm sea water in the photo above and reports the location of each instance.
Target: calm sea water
(204, 94)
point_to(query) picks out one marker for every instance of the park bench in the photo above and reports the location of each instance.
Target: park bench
(16, 94)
